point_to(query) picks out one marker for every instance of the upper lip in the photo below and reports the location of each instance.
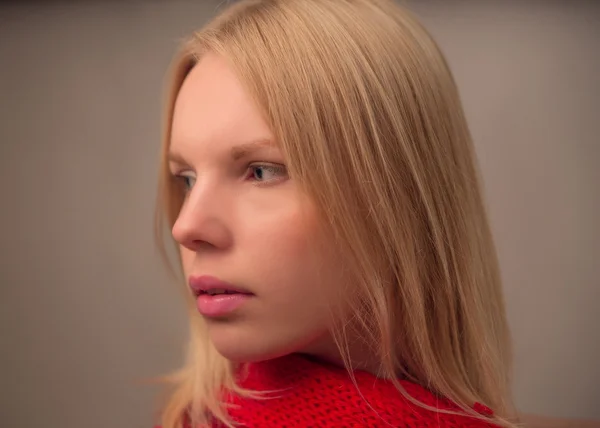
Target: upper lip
(205, 283)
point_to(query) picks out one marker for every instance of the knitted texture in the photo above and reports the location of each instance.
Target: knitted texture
(313, 394)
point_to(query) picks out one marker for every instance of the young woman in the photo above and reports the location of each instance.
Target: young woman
(318, 177)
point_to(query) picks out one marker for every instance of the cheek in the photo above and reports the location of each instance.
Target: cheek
(290, 257)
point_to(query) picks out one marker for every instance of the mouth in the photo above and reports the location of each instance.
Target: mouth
(216, 292)
(211, 286)
(217, 299)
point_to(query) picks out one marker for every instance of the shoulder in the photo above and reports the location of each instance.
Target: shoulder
(312, 395)
(416, 406)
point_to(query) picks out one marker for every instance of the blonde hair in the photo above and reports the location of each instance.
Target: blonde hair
(369, 118)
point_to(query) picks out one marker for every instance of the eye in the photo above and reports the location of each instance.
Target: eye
(267, 173)
(188, 179)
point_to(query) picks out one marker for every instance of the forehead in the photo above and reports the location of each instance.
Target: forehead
(213, 106)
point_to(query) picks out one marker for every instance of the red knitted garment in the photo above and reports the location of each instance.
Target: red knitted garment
(312, 394)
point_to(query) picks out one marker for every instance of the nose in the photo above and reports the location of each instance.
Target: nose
(201, 222)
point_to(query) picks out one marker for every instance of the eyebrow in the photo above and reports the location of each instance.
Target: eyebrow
(244, 150)
(237, 152)
(175, 158)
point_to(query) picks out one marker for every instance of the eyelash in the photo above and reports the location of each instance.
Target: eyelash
(275, 168)
(250, 171)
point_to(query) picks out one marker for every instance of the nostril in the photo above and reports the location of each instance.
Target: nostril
(200, 244)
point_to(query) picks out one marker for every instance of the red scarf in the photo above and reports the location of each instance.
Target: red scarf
(313, 394)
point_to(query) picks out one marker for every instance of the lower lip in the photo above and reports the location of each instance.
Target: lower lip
(221, 304)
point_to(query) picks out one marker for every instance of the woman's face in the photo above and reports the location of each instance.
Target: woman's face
(244, 222)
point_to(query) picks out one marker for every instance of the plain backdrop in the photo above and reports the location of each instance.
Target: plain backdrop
(86, 309)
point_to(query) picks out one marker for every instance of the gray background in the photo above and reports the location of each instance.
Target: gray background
(86, 309)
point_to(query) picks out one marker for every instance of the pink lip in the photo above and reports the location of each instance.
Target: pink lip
(219, 305)
(202, 284)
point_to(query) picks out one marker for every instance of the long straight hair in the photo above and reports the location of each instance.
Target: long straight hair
(368, 116)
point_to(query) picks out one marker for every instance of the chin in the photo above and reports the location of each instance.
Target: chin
(240, 346)
(246, 351)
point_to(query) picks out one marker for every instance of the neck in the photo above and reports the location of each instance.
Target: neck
(360, 356)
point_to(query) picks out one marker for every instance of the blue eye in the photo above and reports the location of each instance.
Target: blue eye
(266, 173)
(188, 181)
